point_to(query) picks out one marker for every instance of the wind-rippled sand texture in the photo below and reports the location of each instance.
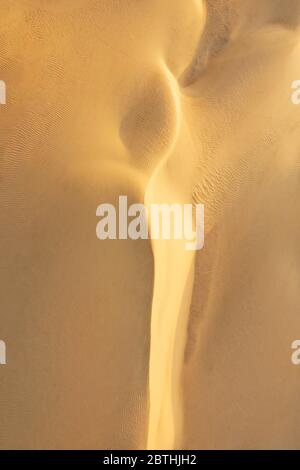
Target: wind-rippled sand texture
(134, 344)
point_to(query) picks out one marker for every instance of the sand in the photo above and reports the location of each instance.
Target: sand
(127, 344)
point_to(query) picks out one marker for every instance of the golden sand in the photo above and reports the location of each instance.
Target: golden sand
(141, 344)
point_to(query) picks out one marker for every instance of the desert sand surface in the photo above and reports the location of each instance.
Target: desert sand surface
(135, 344)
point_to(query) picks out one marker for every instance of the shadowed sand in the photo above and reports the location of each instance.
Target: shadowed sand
(141, 344)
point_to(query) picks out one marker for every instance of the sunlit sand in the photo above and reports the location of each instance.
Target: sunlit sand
(124, 344)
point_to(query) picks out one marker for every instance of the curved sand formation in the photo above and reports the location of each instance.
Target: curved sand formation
(134, 344)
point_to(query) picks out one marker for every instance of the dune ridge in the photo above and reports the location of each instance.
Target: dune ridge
(133, 344)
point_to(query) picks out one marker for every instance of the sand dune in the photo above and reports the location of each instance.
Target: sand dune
(142, 344)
